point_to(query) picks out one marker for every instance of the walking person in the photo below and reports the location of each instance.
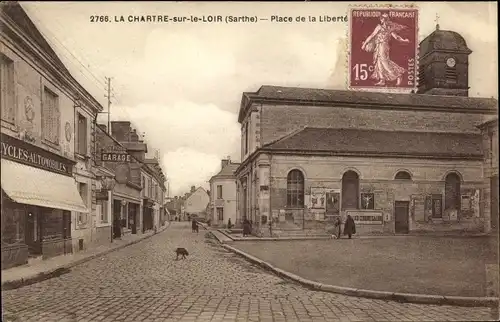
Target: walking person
(349, 227)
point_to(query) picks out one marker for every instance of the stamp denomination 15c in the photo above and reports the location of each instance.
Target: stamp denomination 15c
(383, 48)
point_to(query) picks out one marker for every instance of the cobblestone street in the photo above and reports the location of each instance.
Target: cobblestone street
(143, 282)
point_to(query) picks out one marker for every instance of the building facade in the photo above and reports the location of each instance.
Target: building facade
(196, 202)
(489, 130)
(222, 206)
(156, 184)
(119, 210)
(46, 126)
(397, 163)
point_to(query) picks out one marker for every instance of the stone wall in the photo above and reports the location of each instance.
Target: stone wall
(56, 247)
(102, 235)
(14, 255)
(377, 178)
(277, 121)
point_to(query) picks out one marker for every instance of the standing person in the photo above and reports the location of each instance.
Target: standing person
(246, 228)
(337, 228)
(349, 227)
(229, 224)
(194, 225)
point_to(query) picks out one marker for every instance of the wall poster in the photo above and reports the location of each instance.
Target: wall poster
(318, 198)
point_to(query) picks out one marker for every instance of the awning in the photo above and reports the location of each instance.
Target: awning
(33, 186)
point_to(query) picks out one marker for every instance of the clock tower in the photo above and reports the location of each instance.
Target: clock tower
(444, 64)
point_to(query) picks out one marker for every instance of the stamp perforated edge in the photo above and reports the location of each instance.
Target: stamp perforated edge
(368, 6)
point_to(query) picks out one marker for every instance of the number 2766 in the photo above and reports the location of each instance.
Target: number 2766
(99, 19)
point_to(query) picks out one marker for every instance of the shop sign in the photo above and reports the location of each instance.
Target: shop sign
(22, 152)
(102, 195)
(367, 217)
(115, 154)
(115, 157)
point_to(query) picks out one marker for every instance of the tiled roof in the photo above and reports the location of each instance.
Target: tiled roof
(380, 142)
(376, 98)
(329, 97)
(227, 171)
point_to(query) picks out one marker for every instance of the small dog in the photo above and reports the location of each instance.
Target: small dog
(181, 251)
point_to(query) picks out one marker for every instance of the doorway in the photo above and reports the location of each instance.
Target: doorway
(68, 248)
(117, 215)
(32, 235)
(401, 217)
(132, 217)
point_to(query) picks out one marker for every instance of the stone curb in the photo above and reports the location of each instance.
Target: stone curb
(380, 295)
(53, 272)
(273, 238)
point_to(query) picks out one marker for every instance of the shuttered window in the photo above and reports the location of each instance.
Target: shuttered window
(7, 96)
(50, 116)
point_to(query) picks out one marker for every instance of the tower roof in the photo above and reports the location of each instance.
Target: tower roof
(443, 40)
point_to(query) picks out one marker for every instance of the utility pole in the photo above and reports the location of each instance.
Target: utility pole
(108, 81)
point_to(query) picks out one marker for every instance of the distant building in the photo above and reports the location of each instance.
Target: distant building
(223, 197)
(196, 202)
(174, 206)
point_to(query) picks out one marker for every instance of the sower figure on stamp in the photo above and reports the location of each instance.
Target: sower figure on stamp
(384, 69)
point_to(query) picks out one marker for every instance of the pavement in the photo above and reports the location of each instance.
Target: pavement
(40, 270)
(144, 282)
(425, 265)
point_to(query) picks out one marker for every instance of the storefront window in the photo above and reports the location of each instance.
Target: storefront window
(81, 216)
(131, 214)
(104, 211)
(124, 216)
(12, 225)
(52, 226)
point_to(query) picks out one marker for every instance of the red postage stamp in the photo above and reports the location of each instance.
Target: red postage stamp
(383, 48)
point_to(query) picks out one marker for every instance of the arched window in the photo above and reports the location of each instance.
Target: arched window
(402, 175)
(350, 190)
(452, 192)
(295, 189)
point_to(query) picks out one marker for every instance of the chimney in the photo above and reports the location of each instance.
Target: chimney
(193, 188)
(224, 162)
(134, 137)
(121, 130)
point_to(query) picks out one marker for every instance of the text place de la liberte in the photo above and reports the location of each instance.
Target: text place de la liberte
(215, 19)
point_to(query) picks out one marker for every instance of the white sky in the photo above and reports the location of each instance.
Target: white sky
(181, 84)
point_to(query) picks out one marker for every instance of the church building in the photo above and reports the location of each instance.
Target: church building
(397, 163)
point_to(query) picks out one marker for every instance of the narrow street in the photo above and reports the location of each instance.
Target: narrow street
(143, 282)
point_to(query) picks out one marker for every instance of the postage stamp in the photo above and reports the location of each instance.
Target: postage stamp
(383, 48)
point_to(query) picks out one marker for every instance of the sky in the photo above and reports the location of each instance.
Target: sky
(181, 84)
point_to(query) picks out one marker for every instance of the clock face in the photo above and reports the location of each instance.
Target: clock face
(451, 62)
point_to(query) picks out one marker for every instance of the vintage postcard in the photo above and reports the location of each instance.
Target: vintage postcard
(249, 161)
